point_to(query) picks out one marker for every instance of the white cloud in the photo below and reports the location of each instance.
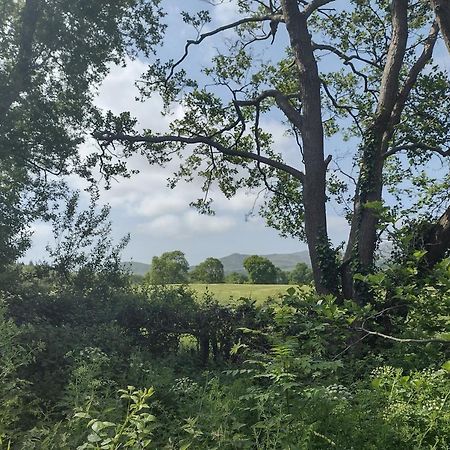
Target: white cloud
(225, 12)
(118, 93)
(186, 225)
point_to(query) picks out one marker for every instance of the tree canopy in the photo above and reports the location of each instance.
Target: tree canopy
(260, 270)
(208, 271)
(169, 268)
(300, 274)
(54, 55)
(362, 100)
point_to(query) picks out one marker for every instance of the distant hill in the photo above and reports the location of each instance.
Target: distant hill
(136, 268)
(235, 261)
(286, 261)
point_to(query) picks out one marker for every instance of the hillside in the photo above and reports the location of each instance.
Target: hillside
(234, 262)
(286, 261)
(136, 268)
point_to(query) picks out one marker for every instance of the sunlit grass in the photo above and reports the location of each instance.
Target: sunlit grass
(229, 293)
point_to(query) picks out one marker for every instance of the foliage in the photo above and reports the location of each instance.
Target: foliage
(134, 431)
(261, 270)
(54, 56)
(236, 278)
(169, 268)
(209, 271)
(300, 274)
(13, 388)
(297, 373)
(282, 276)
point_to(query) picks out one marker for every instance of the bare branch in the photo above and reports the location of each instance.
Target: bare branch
(124, 138)
(417, 146)
(343, 56)
(414, 73)
(404, 340)
(282, 100)
(396, 53)
(314, 5)
(202, 37)
(341, 106)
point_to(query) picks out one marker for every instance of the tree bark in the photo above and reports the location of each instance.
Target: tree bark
(437, 241)
(363, 233)
(312, 135)
(442, 10)
(20, 76)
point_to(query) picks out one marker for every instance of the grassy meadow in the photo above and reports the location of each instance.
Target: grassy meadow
(227, 293)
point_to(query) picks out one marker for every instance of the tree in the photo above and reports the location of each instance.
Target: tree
(236, 278)
(260, 270)
(282, 276)
(54, 54)
(301, 274)
(169, 268)
(376, 92)
(209, 271)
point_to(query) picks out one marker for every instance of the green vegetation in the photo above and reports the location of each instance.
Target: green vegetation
(170, 267)
(224, 291)
(260, 270)
(103, 365)
(209, 271)
(358, 359)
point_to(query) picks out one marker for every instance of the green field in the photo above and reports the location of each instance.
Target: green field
(227, 293)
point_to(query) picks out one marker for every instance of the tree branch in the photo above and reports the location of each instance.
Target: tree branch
(414, 73)
(110, 137)
(314, 5)
(282, 101)
(342, 55)
(404, 340)
(417, 146)
(442, 10)
(202, 37)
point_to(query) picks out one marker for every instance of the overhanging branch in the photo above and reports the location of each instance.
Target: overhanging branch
(136, 139)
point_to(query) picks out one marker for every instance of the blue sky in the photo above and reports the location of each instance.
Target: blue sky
(159, 219)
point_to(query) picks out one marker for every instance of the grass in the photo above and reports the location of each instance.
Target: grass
(226, 293)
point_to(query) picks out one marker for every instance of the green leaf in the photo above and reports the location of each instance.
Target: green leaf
(291, 291)
(94, 438)
(376, 383)
(446, 366)
(444, 336)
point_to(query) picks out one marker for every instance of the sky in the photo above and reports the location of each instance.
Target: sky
(158, 218)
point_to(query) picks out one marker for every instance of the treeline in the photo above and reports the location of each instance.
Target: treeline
(173, 268)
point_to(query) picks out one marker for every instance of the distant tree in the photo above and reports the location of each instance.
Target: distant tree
(301, 274)
(209, 271)
(282, 276)
(260, 270)
(236, 278)
(169, 268)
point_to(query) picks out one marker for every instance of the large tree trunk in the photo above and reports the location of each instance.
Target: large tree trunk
(314, 183)
(442, 11)
(437, 240)
(363, 234)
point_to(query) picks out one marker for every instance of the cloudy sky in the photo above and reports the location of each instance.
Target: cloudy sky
(159, 219)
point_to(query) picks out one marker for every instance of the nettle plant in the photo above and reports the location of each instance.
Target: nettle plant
(134, 430)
